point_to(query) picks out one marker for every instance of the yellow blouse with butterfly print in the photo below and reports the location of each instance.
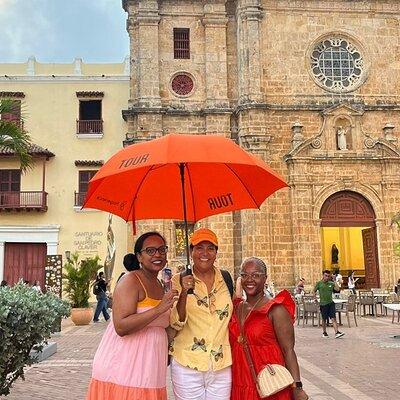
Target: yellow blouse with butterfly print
(202, 340)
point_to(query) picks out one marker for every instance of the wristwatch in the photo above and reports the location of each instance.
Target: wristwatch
(297, 385)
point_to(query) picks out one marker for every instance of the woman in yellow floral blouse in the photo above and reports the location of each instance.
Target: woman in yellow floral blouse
(201, 354)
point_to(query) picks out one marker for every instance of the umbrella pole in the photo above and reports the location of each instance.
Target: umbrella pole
(188, 267)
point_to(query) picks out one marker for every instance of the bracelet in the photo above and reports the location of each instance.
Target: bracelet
(297, 385)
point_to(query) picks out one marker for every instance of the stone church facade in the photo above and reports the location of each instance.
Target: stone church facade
(311, 86)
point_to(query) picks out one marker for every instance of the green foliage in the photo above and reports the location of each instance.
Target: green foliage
(27, 319)
(12, 135)
(397, 249)
(78, 276)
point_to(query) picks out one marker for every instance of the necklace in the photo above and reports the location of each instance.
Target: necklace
(240, 338)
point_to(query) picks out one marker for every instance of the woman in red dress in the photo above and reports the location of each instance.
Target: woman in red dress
(268, 328)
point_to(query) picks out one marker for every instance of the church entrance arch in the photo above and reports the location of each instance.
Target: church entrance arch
(349, 240)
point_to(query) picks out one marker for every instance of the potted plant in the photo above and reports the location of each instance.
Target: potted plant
(78, 275)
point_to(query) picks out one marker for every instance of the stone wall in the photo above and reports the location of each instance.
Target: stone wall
(250, 62)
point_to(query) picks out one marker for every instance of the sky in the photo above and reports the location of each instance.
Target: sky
(61, 30)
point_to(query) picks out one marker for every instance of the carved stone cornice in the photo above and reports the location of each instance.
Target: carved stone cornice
(215, 20)
(143, 20)
(131, 112)
(254, 143)
(252, 12)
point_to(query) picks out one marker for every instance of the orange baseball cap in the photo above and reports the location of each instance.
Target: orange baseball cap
(202, 235)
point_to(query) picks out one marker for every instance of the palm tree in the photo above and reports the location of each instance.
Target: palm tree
(12, 135)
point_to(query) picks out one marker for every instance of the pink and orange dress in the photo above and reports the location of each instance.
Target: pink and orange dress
(132, 367)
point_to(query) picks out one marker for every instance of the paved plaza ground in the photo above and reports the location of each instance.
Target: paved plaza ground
(363, 365)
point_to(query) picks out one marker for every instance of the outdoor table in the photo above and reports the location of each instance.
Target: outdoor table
(393, 307)
(380, 298)
(339, 306)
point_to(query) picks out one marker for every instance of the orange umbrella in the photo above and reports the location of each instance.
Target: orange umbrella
(145, 180)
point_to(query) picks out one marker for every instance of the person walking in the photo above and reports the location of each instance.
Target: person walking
(265, 326)
(131, 360)
(351, 282)
(326, 287)
(201, 354)
(36, 286)
(100, 290)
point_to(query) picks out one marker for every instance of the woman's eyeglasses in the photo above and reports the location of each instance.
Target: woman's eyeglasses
(254, 275)
(151, 251)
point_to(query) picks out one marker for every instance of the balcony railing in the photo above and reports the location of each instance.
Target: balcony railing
(89, 126)
(79, 199)
(17, 201)
(17, 121)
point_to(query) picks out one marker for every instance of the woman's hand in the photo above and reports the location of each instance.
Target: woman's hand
(187, 282)
(168, 301)
(299, 394)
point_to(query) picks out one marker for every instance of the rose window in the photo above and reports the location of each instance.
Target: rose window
(182, 84)
(337, 65)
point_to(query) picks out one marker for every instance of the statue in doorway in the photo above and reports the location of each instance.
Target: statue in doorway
(341, 133)
(334, 254)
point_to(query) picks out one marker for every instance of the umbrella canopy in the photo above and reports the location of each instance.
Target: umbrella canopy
(144, 181)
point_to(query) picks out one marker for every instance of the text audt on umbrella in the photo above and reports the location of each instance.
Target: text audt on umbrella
(140, 159)
(223, 200)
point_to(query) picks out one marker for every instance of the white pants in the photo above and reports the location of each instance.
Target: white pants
(189, 384)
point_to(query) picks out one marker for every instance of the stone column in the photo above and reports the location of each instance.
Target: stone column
(249, 15)
(215, 22)
(142, 26)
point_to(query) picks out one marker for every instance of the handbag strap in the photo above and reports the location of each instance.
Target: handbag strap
(246, 349)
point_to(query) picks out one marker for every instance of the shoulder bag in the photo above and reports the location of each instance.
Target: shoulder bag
(272, 378)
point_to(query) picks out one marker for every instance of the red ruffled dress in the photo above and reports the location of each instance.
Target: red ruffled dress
(263, 346)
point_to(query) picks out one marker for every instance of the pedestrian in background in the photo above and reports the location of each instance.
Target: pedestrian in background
(100, 290)
(36, 286)
(351, 282)
(325, 287)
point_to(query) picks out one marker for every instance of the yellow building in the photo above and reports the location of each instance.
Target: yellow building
(73, 114)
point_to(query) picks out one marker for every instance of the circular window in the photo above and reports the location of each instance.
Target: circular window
(337, 65)
(182, 84)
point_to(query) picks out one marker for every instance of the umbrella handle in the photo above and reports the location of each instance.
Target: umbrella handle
(189, 271)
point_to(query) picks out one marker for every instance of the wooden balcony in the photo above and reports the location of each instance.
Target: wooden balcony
(89, 126)
(17, 121)
(23, 201)
(79, 199)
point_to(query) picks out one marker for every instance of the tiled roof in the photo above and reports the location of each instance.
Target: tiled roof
(34, 150)
(89, 163)
(12, 94)
(89, 94)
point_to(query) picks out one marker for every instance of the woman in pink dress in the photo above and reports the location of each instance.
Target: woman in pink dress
(267, 328)
(131, 361)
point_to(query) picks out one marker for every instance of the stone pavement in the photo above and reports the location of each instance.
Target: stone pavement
(363, 365)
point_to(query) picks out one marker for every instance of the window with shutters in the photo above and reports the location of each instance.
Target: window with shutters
(181, 43)
(84, 178)
(15, 113)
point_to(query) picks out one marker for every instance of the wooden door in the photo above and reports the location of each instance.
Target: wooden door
(370, 258)
(25, 261)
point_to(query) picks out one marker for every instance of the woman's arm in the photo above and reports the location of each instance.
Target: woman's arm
(126, 296)
(284, 332)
